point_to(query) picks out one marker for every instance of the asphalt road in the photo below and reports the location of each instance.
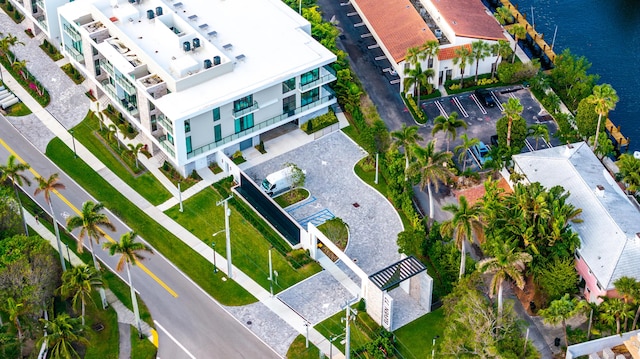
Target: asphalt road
(189, 322)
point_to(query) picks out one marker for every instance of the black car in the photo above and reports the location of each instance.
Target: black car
(485, 97)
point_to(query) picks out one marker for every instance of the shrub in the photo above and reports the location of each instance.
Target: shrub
(237, 154)
(516, 72)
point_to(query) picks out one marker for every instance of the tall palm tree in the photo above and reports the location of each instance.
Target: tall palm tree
(462, 58)
(519, 32)
(432, 166)
(503, 15)
(512, 110)
(13, 171)
(62, 333)
(629, 289)
(605, 99)
(479, 52)
(78, 283)
(507, 263)
(15, 310)
(430, 49)
(466, 222)
(614, 310)
(416, 77)
(112, 133)
(6, 43)
(47, 186)
(449, 126)
(130, 253)
(539, 131)
(406, 137)
(134, 150)
(463, 149)
(630, 171)
(501, 49)
(414, 54)
(90, 221)
(560, 310)
(19, 67)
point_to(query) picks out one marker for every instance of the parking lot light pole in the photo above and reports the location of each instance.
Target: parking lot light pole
(227, 213)
(215, 267)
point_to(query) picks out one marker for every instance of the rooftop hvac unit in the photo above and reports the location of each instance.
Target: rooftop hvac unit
(150, 14)
(196, 43)
(216, 60)
(159, 11)
(207, 64)
(132, 1)
(186, 46)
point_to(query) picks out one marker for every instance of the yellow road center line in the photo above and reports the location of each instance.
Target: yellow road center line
(73, 208)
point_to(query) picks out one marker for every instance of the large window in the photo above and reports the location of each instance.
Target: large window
(289, 85)
(217, 130)
(154, 123)
(244, 123)
(309, 76)
(96, 66)
(187, 126)
(241, 104)
(188, 144)
(216, 114)
(310, 96)
(289, 104)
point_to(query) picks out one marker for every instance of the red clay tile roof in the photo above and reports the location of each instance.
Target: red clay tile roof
(396, 23)
(469, 18)
(449, 53)
(474, 194)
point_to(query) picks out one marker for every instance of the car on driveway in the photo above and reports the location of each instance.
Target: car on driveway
(481, 151)
(485, 97)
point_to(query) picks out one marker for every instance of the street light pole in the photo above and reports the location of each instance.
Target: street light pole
(68, 255)
(433, 347)
(271, 276)
(306, 325)
(180, 197)
(73, 139)
(215, 267)
(227, 213)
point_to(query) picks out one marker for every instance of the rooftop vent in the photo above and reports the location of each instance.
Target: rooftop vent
(196, 43)
(186, 46)
(216, 60)
(207, 63)
(438, 34)
(600, 190)
(150, 14)
(132, 1)
(638, 236)
(159, 11)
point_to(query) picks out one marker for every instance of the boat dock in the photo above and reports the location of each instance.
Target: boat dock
(618, 137)
(537, 37)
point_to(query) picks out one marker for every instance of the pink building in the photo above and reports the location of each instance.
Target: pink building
(610, 228)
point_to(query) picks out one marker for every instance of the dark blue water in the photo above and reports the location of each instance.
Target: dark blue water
(607, 33)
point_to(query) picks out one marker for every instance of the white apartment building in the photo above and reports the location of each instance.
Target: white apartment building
(41, 17)
(200, 76)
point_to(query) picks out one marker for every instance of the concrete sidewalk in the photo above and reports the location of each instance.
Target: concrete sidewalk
(274, 304)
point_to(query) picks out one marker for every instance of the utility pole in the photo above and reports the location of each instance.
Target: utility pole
(271, 276)
(227, 213)
(180, 197)
(376, 180)
(348, 311)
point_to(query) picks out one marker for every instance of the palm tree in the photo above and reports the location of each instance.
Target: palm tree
(406, 137)
(134, 150)
(414, 54)
(15, 310)
(5, 45)
(512, 110)
(430, 49)
(130, 254)
(415, 77)
(630, 171)
(13, 171)
(466, 222)
(479, 52)
(78, 283)
(506, 263)
(613, 311)
(62, 333)
(47, 186)
(19, 67)
(449, 126)
(560, 310)
(502, 49)
(432, 166)
(112, 133)
(605, 99)
(629, 289)
(539, 131)
(463, 57)
(463, 149)
(519, 32)
(90, 222)
(503, 15)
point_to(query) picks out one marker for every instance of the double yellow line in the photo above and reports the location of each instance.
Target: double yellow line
(77, 211)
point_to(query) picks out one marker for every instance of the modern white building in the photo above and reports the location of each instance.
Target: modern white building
(610, 228)
(199, 76)
(41, 17)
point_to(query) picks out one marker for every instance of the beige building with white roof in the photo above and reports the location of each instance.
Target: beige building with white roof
(195, 76)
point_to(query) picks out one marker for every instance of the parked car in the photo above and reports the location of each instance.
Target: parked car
(494, 140)
(485, 97)
(481, 151)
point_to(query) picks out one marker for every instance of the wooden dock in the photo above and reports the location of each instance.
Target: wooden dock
(614, 131)
(537, 37)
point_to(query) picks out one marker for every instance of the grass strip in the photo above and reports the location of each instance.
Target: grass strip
(298, 349)
(145, 184)
(141, 348)
(102, 326)
(186, 259)
(415, 339)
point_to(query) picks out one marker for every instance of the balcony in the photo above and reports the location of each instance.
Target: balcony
(165, 123)
(40, 3)
(164, 142)
(75, 54)
(110, 90)
(72, 32)
(280, 118)
(107, 66)
(126, 85)
(246, 111)
(42, 21)
(329, 76)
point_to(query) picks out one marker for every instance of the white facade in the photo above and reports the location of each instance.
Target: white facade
(196, 77)
(41, 17)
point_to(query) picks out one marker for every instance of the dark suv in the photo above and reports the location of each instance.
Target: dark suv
(485, 97)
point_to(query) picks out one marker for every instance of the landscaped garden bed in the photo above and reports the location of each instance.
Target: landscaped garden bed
(51, 50)
(10, 10)
(291, 197)
(73, 74)
(320, 122)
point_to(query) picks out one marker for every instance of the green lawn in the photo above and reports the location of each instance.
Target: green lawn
(145, 184)
(298, 349)
(19, 109)
(250, 250)
(141, 348)
(181, 255)
(123, 293)
(362, 329)
(103, 343)
(414, 339)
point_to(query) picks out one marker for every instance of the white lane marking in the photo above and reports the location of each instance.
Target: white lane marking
(442, 111)
(174, 339)
(475, 99)
(462, 110)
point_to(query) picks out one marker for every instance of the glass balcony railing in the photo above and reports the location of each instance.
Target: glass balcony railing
(164, 142)
(280, 118)
(165, 123)
(74, 53)
(246, 111)
(126, 85)
(73, 33)
(42, 21)
(107, 66)
(329, 76)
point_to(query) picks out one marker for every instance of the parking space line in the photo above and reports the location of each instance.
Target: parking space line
(475, 99)
(393, 82)
(345, 3)
(442, 111)
(495, 98)
(358, 24)
(462, 110)
(366, 35)
(353, 13)
(526, 142)
(378, 58)
(374, 46)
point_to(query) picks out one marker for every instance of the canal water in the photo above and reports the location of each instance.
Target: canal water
(607, 33)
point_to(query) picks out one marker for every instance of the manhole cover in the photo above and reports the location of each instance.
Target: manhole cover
(248, 322)
(356, 204)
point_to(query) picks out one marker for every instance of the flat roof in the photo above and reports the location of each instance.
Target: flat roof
(397, 272)
(268, 44)
(469, 18)
(397, 24)
(608, 232)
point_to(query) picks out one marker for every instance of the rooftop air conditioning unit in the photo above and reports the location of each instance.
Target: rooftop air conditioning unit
(186, 46)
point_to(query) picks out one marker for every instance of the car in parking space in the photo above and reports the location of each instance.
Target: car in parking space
(494, 140)
(485, 97)
(481, 151)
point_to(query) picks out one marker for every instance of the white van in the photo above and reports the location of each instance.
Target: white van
(278, 182)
